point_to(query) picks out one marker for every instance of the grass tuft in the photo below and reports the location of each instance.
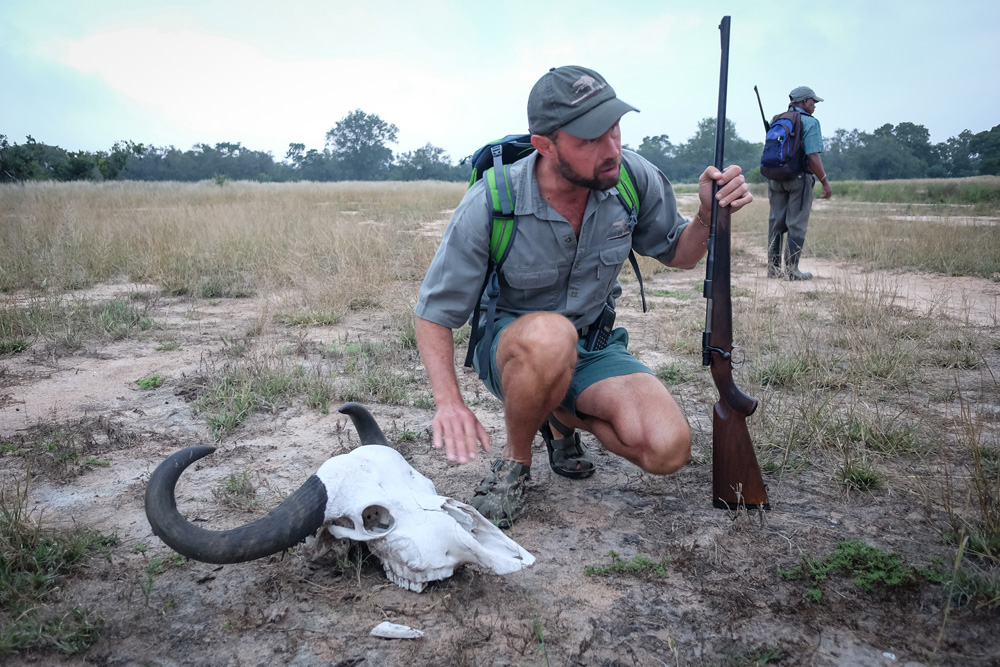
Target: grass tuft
(640, 566)
(34, 564)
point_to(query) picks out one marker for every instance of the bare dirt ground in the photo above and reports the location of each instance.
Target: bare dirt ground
(720, 600)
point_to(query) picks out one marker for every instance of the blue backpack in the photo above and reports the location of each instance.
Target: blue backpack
(784, 156)
(492, 162)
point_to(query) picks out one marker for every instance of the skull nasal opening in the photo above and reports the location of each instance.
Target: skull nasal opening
(377, 519)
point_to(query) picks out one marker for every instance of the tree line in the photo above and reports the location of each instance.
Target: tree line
(358, 148)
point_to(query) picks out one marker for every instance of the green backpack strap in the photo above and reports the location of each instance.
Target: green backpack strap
(502, 219)
(503, 229)
(626, 190)
(629, 198)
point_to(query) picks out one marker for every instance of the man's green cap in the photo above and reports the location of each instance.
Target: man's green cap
(576, 100)
(802, 93)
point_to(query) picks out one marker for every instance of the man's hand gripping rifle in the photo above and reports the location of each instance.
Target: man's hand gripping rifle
(736, 478)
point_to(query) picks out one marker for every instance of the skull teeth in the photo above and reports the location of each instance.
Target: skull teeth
(403, 582)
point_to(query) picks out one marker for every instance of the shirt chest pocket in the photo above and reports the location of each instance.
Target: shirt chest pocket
(532, 289)
(611, 260)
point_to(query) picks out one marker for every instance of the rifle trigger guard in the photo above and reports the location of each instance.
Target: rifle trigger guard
(728, 356)
(742, 357)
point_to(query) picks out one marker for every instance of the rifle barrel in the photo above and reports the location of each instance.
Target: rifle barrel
(720, 118)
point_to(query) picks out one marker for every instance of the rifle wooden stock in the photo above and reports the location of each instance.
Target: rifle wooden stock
(736, 478)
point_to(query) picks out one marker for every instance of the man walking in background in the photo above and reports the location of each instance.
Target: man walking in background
(791, 200)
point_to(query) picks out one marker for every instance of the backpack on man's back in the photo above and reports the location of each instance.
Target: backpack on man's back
(784, 156)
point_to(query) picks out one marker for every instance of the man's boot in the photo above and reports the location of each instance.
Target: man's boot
(774, 257)
(792, 260)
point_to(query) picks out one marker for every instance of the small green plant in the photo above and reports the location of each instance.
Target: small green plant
(378, 383)
(536, 628)
(12, 345)
(870, 566)
(408, 436)
(785, 371)
(639, 566)
(768, 655)
(964, 587)
(860, 476)
(94, 461)
(151, 382)
(237, 491)
(319, 396)
(670, 294)
(117, 319)
(62, 445)
(224, 285)
(424, 402)
(161, 565)
(168, 346)
(756, 657)
(311, 318)
(158, 566)
(672, 374)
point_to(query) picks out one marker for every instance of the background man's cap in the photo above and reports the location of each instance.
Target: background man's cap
(577, 101)
(803, 92)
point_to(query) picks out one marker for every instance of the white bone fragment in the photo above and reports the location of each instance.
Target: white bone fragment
(389, 630)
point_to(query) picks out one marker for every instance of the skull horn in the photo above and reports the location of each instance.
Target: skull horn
(299, 516)
(368, 429)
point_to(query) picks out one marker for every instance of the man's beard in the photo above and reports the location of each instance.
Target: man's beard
(594, 183)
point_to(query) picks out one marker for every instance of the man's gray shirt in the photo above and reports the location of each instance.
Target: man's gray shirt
(548, 268)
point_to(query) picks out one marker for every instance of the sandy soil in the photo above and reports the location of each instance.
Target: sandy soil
(720, 601)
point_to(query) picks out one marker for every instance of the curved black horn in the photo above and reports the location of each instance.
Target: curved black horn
(368, 429)
(299, 516)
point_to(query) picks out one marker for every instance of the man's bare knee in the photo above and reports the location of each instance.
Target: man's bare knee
(668, 454)
(541, 340)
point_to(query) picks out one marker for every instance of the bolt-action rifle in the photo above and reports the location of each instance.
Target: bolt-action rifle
(736, 478)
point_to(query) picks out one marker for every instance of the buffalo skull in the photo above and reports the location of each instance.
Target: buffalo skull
(369, 495)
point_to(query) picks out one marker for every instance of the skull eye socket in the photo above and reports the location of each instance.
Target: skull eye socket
(377, 519)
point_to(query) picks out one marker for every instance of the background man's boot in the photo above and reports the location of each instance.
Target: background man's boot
(774, 257)
(792, 260)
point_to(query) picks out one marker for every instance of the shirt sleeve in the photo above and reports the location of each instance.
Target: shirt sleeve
(812, 135)
(454, 280)
(660, 223)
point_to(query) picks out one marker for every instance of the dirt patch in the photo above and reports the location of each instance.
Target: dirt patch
(719, 600)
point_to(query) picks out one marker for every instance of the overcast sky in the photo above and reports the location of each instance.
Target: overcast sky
(454, 73)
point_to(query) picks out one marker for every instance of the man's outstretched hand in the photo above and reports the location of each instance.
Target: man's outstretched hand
(459, 432)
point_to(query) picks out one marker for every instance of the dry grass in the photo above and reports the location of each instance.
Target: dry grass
(354, 239)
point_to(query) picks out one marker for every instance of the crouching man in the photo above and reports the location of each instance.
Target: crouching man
(574, 233)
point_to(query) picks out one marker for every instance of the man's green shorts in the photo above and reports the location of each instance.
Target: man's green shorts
(591, 367)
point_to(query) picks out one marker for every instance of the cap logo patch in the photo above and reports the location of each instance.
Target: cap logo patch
(586, 87)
